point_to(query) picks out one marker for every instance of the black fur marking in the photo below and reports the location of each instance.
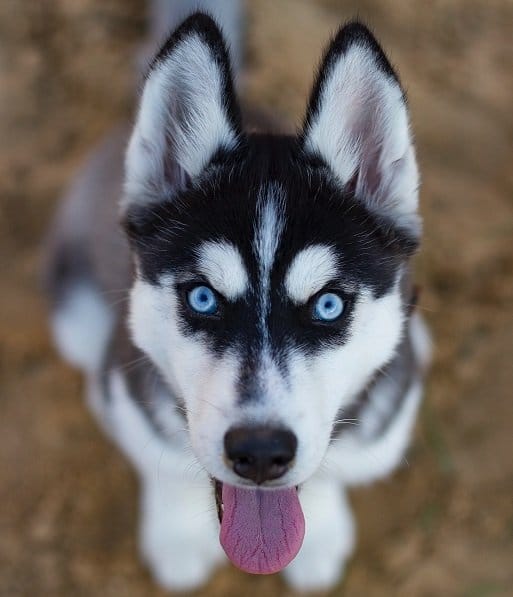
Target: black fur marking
(349, 35)
(222, 206)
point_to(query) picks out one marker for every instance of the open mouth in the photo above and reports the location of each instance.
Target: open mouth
(261, 529)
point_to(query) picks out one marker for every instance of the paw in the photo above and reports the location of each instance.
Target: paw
(179, 563)
(316, 568)
(328, 543)
(179, 538)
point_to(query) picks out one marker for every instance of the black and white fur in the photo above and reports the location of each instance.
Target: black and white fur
(268, 221)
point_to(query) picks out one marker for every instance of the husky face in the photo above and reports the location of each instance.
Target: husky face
(268, 284)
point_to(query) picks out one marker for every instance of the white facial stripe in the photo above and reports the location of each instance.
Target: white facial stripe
(221, 263)
(268, 232)
(311, 269)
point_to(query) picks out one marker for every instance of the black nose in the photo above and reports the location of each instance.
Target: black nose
(260, 453)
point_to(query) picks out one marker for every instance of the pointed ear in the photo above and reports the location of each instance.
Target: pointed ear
(357, 123)
(188, 111)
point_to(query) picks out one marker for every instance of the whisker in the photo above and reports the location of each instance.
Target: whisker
(347, 422)
(125, 367)
(219, 408)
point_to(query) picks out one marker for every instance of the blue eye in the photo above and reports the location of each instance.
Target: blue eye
(328, 307)
(202, 300)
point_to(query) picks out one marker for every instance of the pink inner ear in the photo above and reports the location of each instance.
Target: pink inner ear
(176, 177)
(370, 179)
(364, 136)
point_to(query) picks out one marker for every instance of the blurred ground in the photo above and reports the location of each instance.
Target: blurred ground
(441, 526)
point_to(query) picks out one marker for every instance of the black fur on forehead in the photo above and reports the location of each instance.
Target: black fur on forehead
(222, 205)
(351, 34)
(207, 29)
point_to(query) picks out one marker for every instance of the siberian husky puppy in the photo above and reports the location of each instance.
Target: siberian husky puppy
(268, 356)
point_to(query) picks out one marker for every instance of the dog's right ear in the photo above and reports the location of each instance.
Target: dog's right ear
(188, 112)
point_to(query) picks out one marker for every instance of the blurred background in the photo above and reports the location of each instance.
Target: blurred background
(443, 525)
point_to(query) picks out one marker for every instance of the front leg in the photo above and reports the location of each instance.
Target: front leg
(179, 533)
(329, 538)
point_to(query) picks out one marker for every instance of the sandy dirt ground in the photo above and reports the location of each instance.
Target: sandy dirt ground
(443, 525)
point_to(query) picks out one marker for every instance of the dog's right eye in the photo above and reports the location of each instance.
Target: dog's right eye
(202, 300)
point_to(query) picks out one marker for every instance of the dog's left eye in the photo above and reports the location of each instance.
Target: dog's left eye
(328, 307)
(202, 300)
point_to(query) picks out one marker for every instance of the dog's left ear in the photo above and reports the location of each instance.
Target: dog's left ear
(188, 112)
(357, 123)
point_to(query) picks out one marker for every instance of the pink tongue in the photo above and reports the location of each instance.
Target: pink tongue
(261, 531)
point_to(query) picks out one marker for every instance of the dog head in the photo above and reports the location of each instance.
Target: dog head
(268, 268)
